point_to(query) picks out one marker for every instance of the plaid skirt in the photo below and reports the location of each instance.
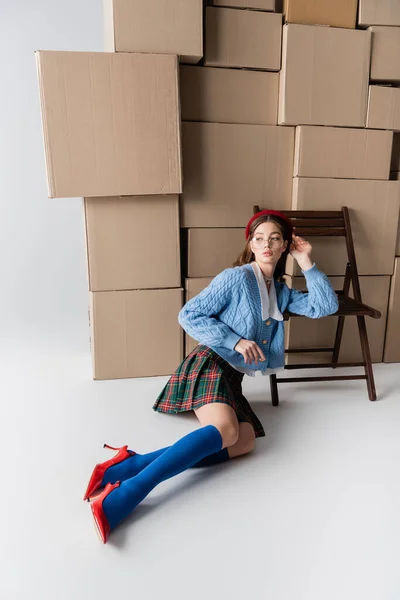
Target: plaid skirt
(203, 378)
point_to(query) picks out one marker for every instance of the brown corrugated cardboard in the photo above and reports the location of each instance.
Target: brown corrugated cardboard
(385, 63)
(336, 13)
(397, 251)
(395, 163)
(268, 5)
(97, 142)
(324, 77)
(392, 345)
(374, 214)
(228, 32)
(133, 242)
(229, 95)
(320, 333)
(383, 108)
(230, 168)
(210, 251)
(135, 333)
(193, 287)
(342, 153)
(378, 12)
(155, 26)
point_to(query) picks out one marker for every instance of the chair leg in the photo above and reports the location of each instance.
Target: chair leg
(366, 357)
(274, 390)
(338, 341)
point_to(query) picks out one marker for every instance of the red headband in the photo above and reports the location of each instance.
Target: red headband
(269, 212)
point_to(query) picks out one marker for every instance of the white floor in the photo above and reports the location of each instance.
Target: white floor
(313, 514)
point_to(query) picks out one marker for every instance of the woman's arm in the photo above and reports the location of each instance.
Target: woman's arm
(199, 315)
(321, 299)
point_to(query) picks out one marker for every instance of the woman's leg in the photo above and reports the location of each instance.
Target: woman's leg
(239, 437)
(210, 414)
(182, 455)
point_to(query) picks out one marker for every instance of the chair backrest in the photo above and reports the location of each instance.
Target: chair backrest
(328, 223)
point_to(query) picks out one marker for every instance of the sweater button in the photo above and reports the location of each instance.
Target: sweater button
(265, 341)
(268, 323)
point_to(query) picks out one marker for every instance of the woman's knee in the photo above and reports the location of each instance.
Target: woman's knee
(229, 432)
(223, 417)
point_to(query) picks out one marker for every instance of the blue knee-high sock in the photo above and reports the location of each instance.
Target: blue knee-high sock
(135, 464)
(185, 453)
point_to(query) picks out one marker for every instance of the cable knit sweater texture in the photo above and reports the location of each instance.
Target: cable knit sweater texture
(229, 309)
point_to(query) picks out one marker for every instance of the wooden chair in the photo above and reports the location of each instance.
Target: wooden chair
(325, 224)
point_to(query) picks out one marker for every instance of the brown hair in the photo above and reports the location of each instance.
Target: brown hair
(247, 255)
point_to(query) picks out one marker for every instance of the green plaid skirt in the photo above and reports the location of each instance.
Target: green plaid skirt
(203, 378)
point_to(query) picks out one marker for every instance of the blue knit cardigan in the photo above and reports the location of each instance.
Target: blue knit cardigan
(229, 309)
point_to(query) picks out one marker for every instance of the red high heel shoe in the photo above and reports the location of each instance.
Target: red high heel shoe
(100, 519)
(99, 470)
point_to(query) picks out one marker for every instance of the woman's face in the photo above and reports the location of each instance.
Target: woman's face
(267, 243)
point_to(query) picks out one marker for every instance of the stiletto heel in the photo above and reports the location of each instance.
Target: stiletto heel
(97, 476)
(100, 519)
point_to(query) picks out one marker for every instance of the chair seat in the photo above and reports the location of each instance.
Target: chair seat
(348, 307)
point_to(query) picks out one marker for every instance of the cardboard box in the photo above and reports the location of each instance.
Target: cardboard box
(230, 168)
(229, 96)
(336, 13)
(228, 32)
(374, 215)
(385, 64)
(133, 242)
(342, 153)
(395, 163)
(210, 251)
(378, 12)
(155, 27)
(392, 346)
(268, 5)
(135, 333)
(324, 77)
(97, 141)
(192, 288)
(383, 108)
(320, 333)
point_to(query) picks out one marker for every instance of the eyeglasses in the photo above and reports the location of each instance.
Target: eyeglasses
(274, 242)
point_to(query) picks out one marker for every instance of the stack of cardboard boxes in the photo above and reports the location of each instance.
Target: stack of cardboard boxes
(113, 136)
(317, 135)
(234, 153)
(336, 166)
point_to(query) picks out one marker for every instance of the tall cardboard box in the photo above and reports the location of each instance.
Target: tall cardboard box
(383, 108)
(385, 63)
(133, 242)
(98, 142)
(155, 26)
(336, 13)
(268, 5)
(320, 333)
(342, 153)
(374, 216)
(193, 287)
(135, 333)
(210, 251)
(230, 168)
(229, 95)
(324, 78)
(392, 346)
(378, 12)
(228, 32)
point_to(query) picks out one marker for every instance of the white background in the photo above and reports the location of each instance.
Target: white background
(43, 277)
